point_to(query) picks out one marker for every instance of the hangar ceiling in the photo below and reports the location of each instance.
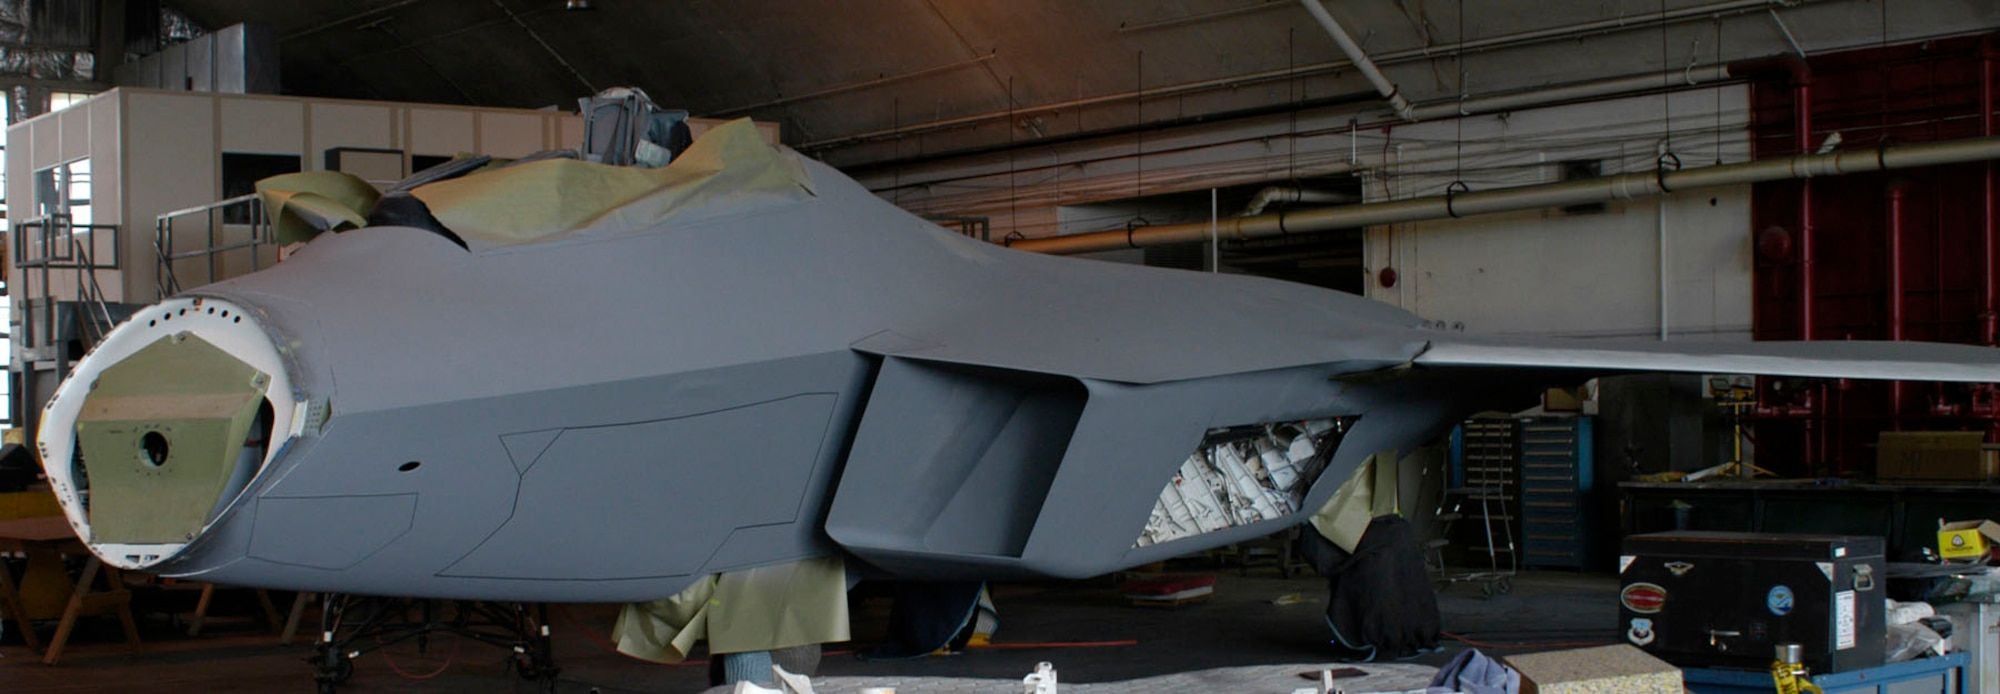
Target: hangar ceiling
(865, 82)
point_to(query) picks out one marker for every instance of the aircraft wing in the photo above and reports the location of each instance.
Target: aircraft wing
(1915, 361)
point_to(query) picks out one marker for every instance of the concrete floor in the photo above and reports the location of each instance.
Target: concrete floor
(1243, 625)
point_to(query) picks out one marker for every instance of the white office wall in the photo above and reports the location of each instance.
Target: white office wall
(343, 124)
(105, 149)
(441, 132)
(106, 155)
(1592, 274)
(569, 131)
(46, 140)
(512, 135)
(263, 126)
(73, 132)
(171, 162)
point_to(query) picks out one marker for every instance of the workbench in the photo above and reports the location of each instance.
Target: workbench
(1904, 515)
(1940, 675)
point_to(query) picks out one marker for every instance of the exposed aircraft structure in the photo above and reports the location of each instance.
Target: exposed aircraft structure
(753, 363)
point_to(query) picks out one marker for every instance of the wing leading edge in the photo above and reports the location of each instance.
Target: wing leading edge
(1913, 361)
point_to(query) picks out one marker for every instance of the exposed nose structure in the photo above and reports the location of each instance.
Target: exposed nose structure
(163, 427)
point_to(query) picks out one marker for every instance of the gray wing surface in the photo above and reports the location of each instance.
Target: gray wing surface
(1915, 361)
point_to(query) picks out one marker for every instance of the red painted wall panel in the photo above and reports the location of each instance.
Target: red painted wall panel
(1896, 94)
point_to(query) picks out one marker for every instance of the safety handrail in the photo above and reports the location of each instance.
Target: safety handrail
(60, 244)
(168, 252)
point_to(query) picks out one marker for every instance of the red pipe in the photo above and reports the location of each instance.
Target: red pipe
(1799, 76)
(1802, 108)
(1897, 191)
(1989, 320)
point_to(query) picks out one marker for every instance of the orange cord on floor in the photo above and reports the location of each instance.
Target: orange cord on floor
(1520, 644)
(1057, 644)
(457, 643)
(577, 624)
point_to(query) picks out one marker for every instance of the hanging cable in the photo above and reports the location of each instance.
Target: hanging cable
(1458, 155)
(1292, 90)
(1718, 93)
(1666, 85)
(1013, 198)
(1139, 128)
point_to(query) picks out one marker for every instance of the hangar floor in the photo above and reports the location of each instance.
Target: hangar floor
(1244, 624)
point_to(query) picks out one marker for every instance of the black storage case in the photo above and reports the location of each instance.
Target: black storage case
(1712, 599)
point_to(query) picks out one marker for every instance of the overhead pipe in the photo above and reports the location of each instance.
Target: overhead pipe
(1687, 77)
(1285, 196)
(851, 86)
(1545, 96)
(1525, 38)
(1360, 60)
(1626, 186)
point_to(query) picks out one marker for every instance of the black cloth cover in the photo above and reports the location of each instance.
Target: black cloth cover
(18, 468)
(1382, 604)
(405, 210)
(927, 616)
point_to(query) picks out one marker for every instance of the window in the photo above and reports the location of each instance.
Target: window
(240, 174)
(62, 192)
(3, 186)
(64, 189)
(62, 100)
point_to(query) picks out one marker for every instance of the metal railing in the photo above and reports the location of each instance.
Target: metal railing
(216, 218)
(53, 242)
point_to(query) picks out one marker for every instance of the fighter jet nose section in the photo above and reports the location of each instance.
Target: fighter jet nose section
(162, 437)
(163, 426)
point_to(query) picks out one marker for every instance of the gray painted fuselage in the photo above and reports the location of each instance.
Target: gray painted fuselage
(607, 417)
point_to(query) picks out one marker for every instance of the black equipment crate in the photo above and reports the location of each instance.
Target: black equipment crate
(1713, 599)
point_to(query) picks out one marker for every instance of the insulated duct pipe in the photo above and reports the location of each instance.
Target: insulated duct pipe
(1598, 89)
(1360, 59)
(1619, 187)
(1284, 196)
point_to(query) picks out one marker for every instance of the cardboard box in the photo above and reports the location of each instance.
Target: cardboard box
(1563, 400)
(1935, 456)
(1967, 539)
(1620, 668)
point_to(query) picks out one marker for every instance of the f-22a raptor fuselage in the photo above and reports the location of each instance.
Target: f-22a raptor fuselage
(607, 415)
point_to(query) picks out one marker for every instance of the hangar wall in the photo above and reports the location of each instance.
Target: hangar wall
(1491, 273)
(1593, 271)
